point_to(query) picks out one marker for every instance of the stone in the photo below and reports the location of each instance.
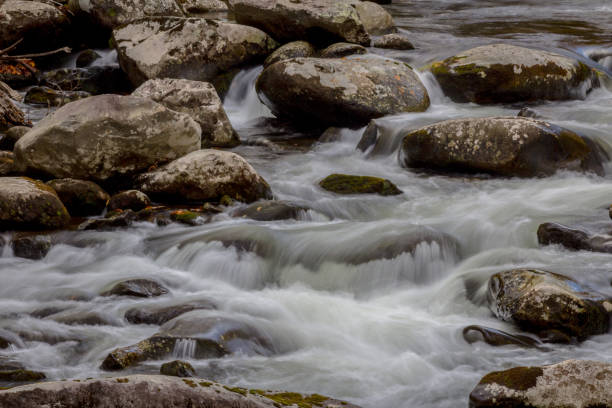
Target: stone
(30, 204)
(10, 115)
(339, 50)
(21, 375)
(86, 58)
(198, 100)
(159, 315)
(341, 92)
(192, 48)
(504, 146)
(541, 301)
(110, 222)
(130, 134)
(7, 163)
(178, 368)
(129, 200)
(200, 7)
(81, 198)
(571, 383)
(271, 211)
(205, 175)
(495, 337)
(31, 246)
(143, 288)
(503, 73)
(349, 184)
(394, 41)
(42, 95)
(573, 239)
(294, 49)
(11, 137)
(375, 19)
(93, 80)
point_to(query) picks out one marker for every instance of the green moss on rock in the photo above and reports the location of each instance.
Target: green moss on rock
(349, 184)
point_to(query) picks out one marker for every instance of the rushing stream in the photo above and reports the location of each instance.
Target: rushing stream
(375, 332)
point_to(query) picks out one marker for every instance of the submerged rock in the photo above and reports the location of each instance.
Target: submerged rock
(137, 288)
(496, 337)
(42, 95)
(504, 73)
(129, 200)
(80, 197)
(341, 92)
(539, 301)
(270, 211)
(178, 368)
(571, 238)
(160, 315)
(506, 146)
(571, 383)
(347, 184)
(339, 50)
(294, 49)
(31, 246)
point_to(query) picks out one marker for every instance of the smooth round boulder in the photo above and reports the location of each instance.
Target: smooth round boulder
(143, 288)
(177, 368)
(540, 301)
(30, 204)
(349, 184)
(105, 137)
(504, 73)
(394, 41)
(339, 50)
(205, 175)
(271, 211)
(341, 92)
(294, 49)
(375, 19)
(504, 146)
(82, 198)
(129, 200)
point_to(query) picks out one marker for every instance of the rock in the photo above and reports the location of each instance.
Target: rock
(503, 73)
(339, 50)
(12, 136)
(31, 246)
(271, 211)
(341, 92)
(160, 315)
(130, 134)
(82, 198)
(540, 301)
(42, 95)
(574, 239)
(10, 115)
(294, 49)
(21, 375)
(42, 26)
(201, 337)
(571, 383)
(205, 175)
(193, 48)
(199, 7)
(93, 80)
(348, 184)
(154, 391)
(129, 200)
(137, 288)
(376, 20)
(505, 146)
(111, 222)
(495, 337)
(7, 163)
(316, 21)
(198, 100)
(528, 113)
(86, 58)
(85, 318)
(394, 41)
(178, 368)
(30, 204)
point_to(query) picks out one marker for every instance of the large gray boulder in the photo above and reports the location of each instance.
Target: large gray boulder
(541, 302)
(198, 100)
(506, 146)
(111, 14)
(503, 73)
(188, 48)
(341, 92)
(205, 175)
(106, 136)
(571, 383)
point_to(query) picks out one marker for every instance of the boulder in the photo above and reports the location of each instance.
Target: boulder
(31, 246)
(177, 368)
(7, 163)
(12, 136)
(205, 175)
(539, 301)
(348, 184)
(495, 337)
(271, 211)
(192, 48)
(80, 197)
(154, 391)
(294, 49)
(160, 315)
(129, 200)
(106, 136)
(10, 115)
(394, 41)
(198, 100)
(505, 146)
(20, 375)
(200, 7)
(42, 95)
(143, 288)
(572, 238)
(341, 92)
(93, 80)
(111, 221)
(375, 19)
(30, 204)
(339, 50)
(571, 383)
(503, 73)
(86, 58)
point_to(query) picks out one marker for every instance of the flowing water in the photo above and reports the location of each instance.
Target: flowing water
(375, 331)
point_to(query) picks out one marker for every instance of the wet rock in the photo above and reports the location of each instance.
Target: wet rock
(10, 115)
(528, 113)
(11, 137)
(129, 200)
(505, 146)
(375, 19)
(137, 288)
(154, 391)
(271, 211)
(7, 339)
(206, 175)
(30, 204)
(198, 100)
(187, 217)
(394, 41)
(571, 383)
(503, 73)
(541, 301)
(339, 50)
(86, 58)
(571, 238)
(495, 337)
(207, 337)
(85, 318)
(42, 95)
(80, 197)
(199, 7)
(111, 222)
(7, 163)
(348, 184)
(160, 315)
(31, 246)
(341, 92)
(178, 368)
(130, 134)
(93, 80)
(193, 48)
(21, 375)
(294, 49)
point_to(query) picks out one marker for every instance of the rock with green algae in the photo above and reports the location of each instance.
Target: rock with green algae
(571, 383)
(177, 368)
(80, 197)
(348, 184)
(156, 391)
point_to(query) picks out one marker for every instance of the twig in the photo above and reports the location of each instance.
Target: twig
(67, 50)
(4, 51)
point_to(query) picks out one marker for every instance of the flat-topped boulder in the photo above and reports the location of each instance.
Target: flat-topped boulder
(504, 73)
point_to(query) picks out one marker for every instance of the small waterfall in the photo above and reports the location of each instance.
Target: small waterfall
(184, 349)
(241, 102)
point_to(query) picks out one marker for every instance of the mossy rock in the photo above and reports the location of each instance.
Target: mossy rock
(348, 184)
(21, 375)
(82, 198)
(178, 368)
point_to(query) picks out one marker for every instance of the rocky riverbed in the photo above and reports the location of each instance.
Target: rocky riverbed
(315, 203)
